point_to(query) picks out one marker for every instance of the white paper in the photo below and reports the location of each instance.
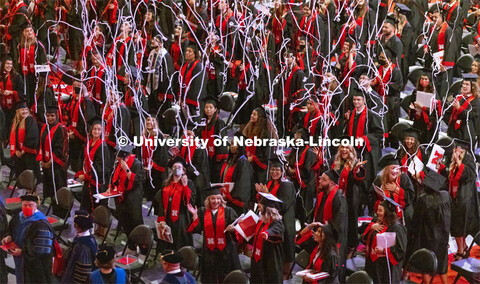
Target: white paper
(42, 68)
(437, 154)
(379, 191)
(312, 274)
(425, 99)
(227, 185)
(438, 58)
(415, 166)
(473, 50)
(386, 240)
(270, 196)
(165, 234)
(239, 229)
(100, 196)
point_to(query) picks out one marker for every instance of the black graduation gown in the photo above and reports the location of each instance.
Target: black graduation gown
(394, 43)
(380, 270)
(129, 209)
(97, 88)
(102, 165)
(30, 146)
(269, 268)
(198, 171)
(465, 204)
(216, 264)
(425, 122)
(301, 160)
(117, 124)
(79, 262)
(216, 72)
(75, 33)
(194, 90)
(30, 77)
(285, 97)
(329, 265)
(409, 50)
(242, 177)
(287, 194)
(15, 28)
(59, 146)
(465, 125)
(431, 229)
(216, 154)
(180, 237)
(155, 177)
(373, 132)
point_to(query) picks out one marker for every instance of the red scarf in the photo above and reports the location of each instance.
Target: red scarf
(274, 190)
(454, 180)
(258, 240)
(27, 58)
(214, 235)
(360, 125)
(327, 211)
(177, 192)
(456, 112)
(120, 175)
(286, 90)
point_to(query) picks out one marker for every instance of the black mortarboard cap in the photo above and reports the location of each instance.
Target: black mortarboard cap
(275, 162)
(226, 102)
(434, 181)
(411, 132)
(447, 144)
(105, 254)
(171, 256)
(330, 231)
(175, 160)
(214, 190)
(470, 76)
(390, 204)
(29, 197)
(333, 175)
(269, 200)
(83, 219)
(462, 144)
(52, 109)
(303, 132)
(124, 150)
(390, 53)
(387, 160)
(21, 104)
(170, 116)
(402, 9)
(391, 20)
(406, 101)
(261, 111)
(211, 100)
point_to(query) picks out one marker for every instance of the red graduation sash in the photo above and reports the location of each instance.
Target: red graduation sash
(327, 211)
(275, 187)
(120, 175)
(88, 161)
(208, 134)
(27, 59)
(441, 37)
(45, 146)
(360, 125)
(228, 174)
(456, 112)
(286, 90)
(215, 236)
(7, 101)
(317, 266)
(185, 79)
(313, 122)
(177, 192)
(258, 240)
(454, 180)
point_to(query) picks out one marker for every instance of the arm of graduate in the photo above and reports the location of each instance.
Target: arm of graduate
(240, 193)
(136, 176)
(275, 232)
(396, 253)
(196, 226)
(375, 131)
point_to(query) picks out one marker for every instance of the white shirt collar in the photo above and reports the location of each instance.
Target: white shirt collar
(84, 234)
(360, 110)
(174, 271)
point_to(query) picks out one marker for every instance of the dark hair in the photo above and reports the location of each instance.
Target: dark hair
(5, 59)
(390, 216)
(428, 89)
(328, 244)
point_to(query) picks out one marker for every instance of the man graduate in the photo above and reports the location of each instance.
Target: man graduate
(364, 124)
(31, 239)
(52, 153)
(127, 179)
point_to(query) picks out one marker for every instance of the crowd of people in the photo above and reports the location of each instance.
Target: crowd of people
(81, 80)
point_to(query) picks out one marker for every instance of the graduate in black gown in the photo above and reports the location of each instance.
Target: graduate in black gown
(463, 192)
(267, 257)
(170, 205)
(284, 190)
(238, 170)
(33, 235)
(431, 230)
(376, 264)
(97, 166)
(52, 153)
(323, 251)
(128, 178)
(219, 251)
(80, 258)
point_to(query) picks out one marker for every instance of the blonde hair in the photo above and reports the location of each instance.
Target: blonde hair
(207, 202)
(453, 165)
(270, 214)
(18, 120)
(155, 128)
(386, 174)
(170, 177)
(352, 157)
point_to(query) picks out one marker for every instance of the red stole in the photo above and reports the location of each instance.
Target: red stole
(96, 83)
(147, 151)
(209, 134)
(405, 159)
(454, 180)
(313, 122)
(371, 248)
(215, 235)
(327, 211)
(88, 161)
(317, 266)
(186, 77)
(45, 146)
(186, 152)
(298, 165)
(7, 101)
(120, 175)
(175, 51)
(456, 112)
(441, 37)
(177, 192)
(343, 181)
(13, 138)
(450, 11)
(277, 29)
(360, 125)
(228, 174)
(275, 187)
(258, 240)
(384, 79)
(27, 59)
(286, 90)
(223, 23)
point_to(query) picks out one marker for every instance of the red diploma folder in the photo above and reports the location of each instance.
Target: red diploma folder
(14, 200)
(9, 246)
(126, 260)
